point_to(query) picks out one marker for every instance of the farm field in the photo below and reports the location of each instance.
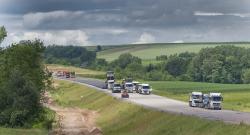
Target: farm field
(236, 96)
(123, 118)
(150, 51)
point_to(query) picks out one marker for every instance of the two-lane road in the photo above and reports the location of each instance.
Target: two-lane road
(169, 105)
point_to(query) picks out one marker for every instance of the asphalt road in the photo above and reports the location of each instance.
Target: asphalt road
(169, 105)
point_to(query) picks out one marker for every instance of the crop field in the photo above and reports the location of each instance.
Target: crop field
(79, 71)
(150, 51)
(123, 118)
(236, 96)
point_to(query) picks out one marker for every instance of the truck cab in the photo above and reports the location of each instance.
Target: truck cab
(196, 99)
(129, 87)
(144, 89)
(215, 101)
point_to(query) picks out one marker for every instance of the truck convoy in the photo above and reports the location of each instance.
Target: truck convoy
(65, 74)
(209, 101)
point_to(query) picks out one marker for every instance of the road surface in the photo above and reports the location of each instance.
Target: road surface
(169, 105)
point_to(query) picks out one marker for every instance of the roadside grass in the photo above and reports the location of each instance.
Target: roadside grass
(79, 71)
(236, 96)
(123, 118)
(150, 51)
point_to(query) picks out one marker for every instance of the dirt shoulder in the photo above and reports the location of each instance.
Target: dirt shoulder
(72, 121)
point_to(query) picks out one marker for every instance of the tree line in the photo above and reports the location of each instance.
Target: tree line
(221, 64)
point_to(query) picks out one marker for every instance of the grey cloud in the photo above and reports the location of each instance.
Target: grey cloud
(124, 21)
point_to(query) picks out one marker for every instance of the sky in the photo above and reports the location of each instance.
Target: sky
(111, 22)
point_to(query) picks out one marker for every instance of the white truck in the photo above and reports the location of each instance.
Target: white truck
(196, 99)
(110, 84)
(129, 87)
(135, 85)
(144, 89)
(213, 101)
(110, 79)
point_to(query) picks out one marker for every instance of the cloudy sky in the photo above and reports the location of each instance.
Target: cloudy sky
(91, 22)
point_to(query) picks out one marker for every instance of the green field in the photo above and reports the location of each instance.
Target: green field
(236, 96)
(150, 51)
(123, 118)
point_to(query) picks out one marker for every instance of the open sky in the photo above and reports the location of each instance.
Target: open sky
(91, 22)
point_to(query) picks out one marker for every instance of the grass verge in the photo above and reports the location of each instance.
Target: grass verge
(122, 118)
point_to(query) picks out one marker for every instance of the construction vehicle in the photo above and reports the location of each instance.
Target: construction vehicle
(144, 89)
(116, 88)
(125, 94)
(196, 99)
(129, 87)
(110, 79)
(213, 101)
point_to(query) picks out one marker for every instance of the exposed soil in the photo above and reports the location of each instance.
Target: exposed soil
(72, 121)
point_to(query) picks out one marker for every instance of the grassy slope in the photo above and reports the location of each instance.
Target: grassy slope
(236, 96)
(122, 118)
(150, 51)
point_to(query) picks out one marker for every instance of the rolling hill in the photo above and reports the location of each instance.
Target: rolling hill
(148, 52)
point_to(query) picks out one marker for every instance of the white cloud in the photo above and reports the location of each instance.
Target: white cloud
(61, 37)
(145, 38)
(178, 41)
(199, 13)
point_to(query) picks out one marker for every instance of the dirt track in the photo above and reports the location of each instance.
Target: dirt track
(169, 105)
(73, 121)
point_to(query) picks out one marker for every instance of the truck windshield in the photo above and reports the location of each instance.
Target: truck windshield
(216, 98)
(146, 87)
(196, 96)
(117, 85)
(129, 85)
(110, 78)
